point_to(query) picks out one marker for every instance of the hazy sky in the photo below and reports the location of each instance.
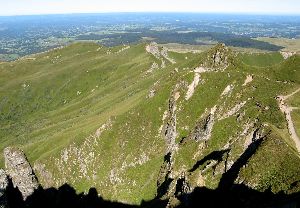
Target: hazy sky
(20, 7)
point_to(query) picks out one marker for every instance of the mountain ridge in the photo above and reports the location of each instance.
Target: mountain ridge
(138, 135)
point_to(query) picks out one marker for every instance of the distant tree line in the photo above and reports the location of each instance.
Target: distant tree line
(184, 38)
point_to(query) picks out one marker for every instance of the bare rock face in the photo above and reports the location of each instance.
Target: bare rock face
(20, 171)
(218, 58)
(3, 187)
(153, 49)
(204, 127)
(287, 54)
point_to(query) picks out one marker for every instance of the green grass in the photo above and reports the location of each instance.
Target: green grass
(55, 103)
(296, 120)
(261, 59)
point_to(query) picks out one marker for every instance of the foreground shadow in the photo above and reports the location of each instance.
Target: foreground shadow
(66, 196)
(237, 196)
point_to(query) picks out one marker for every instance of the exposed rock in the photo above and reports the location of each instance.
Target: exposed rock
(204, 128)
(153, 67)
(153, 49)
(248, 79)
(254, 135)
(287, 54)
(172, 109)
(218, 57)
(3, 187)
(170, 132)
(151, 93)
(233, 110)
(164, 53)
(83, 157)
(192, 86)
(166, 182)
(122, 49)
(200, 70)
(114, 177)
(161, 54)
(227, 90)
(20, 171)
(142, 159)
(43, 173)
(195, 83)
(182, 186)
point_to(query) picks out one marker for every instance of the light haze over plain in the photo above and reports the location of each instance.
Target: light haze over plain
(28, 7)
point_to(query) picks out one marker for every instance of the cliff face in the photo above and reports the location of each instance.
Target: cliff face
(3, 187)
(19, 171)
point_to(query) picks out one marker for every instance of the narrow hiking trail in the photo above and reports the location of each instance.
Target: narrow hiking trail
(287, 112)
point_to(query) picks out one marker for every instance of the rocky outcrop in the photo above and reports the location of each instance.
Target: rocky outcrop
(164, 53)
(195, 82)
(165, 181)
(153, 49)
(170, 132)
(19, 171)
(218, 58)
(3, 187)
(159, 53)
(248, 79)
(233, 110)
(204, 127)
(44, 174)
(227, 91)
(192, 86)
(287, 54)
(83, 157)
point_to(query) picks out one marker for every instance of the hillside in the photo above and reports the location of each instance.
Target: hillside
(138, 122)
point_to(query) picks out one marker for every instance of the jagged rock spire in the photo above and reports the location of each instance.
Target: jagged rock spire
(20, 171)
(218, 57)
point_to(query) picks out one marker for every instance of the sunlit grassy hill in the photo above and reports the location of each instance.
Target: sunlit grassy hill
(93, 116)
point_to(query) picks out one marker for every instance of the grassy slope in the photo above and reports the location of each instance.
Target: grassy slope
(261, 59)
(294, 101)
(288, 44)
(49, 116)
(69, 98)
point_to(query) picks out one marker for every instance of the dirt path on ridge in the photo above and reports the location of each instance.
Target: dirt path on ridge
(286, 110)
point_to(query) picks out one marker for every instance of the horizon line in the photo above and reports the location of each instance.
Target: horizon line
(159, 12)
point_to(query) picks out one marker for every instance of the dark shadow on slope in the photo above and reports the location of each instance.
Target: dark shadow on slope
(66, 196)
(238, 195)
(164, 187)
(215, 155)
(229, 177)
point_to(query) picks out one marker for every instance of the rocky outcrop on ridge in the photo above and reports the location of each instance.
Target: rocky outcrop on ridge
(159, 53)
(3, 187)
(218, 58)
(20, 171)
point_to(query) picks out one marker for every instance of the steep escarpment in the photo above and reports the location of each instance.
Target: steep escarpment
(142, 123)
